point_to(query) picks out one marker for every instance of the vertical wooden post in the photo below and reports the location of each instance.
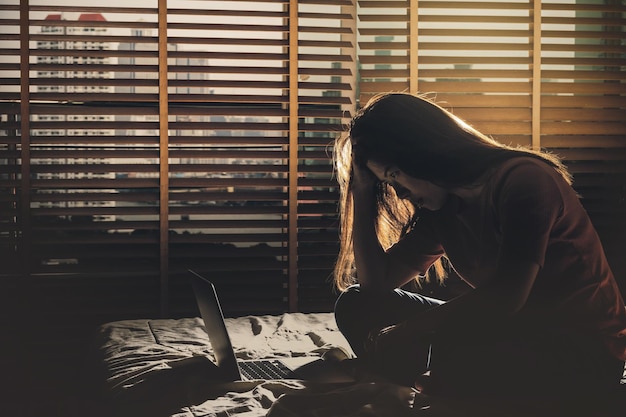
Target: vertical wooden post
(25, 241)
(293, 157)
(163, 161)
(25, 311)
(413, 60)
(536, 74)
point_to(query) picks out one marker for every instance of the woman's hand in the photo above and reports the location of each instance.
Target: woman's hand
(388, 338)
(362, 177)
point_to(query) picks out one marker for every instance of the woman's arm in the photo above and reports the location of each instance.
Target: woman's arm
(376, 269)
(498, 299)
(488, 303)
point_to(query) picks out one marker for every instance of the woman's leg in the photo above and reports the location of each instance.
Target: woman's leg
(358, 312)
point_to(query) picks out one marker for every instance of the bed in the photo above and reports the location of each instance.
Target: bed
(163, 367)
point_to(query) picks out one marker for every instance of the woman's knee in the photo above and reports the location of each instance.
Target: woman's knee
(348, 305)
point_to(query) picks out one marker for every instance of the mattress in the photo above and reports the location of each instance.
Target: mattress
(165, 367)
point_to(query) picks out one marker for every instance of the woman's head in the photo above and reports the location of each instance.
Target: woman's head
(421, 193)
(423, 140)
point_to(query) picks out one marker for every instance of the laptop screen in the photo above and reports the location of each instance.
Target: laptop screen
(211, 313)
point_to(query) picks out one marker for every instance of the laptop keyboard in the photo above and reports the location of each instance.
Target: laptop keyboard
(265, 369)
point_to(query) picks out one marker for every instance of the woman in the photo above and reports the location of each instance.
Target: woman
(418, 187)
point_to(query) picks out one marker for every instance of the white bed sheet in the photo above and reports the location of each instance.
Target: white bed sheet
(161, 367)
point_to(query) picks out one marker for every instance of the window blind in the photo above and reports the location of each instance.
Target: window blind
(93, 155)
(583, 108)
(142, 141)
(474, 58)
(251, 194)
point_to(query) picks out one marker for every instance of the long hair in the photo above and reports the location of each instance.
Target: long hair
(425, 141)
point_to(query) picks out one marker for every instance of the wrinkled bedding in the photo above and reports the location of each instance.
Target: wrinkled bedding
(165, 368)
(132, 349)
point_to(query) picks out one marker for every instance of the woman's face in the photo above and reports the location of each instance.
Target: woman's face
(422, 193)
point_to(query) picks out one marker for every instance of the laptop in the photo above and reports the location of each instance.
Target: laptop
(233, 369)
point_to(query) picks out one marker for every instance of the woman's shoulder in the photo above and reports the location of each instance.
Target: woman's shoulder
(523, 168)
(523, 176)
(524, 161)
